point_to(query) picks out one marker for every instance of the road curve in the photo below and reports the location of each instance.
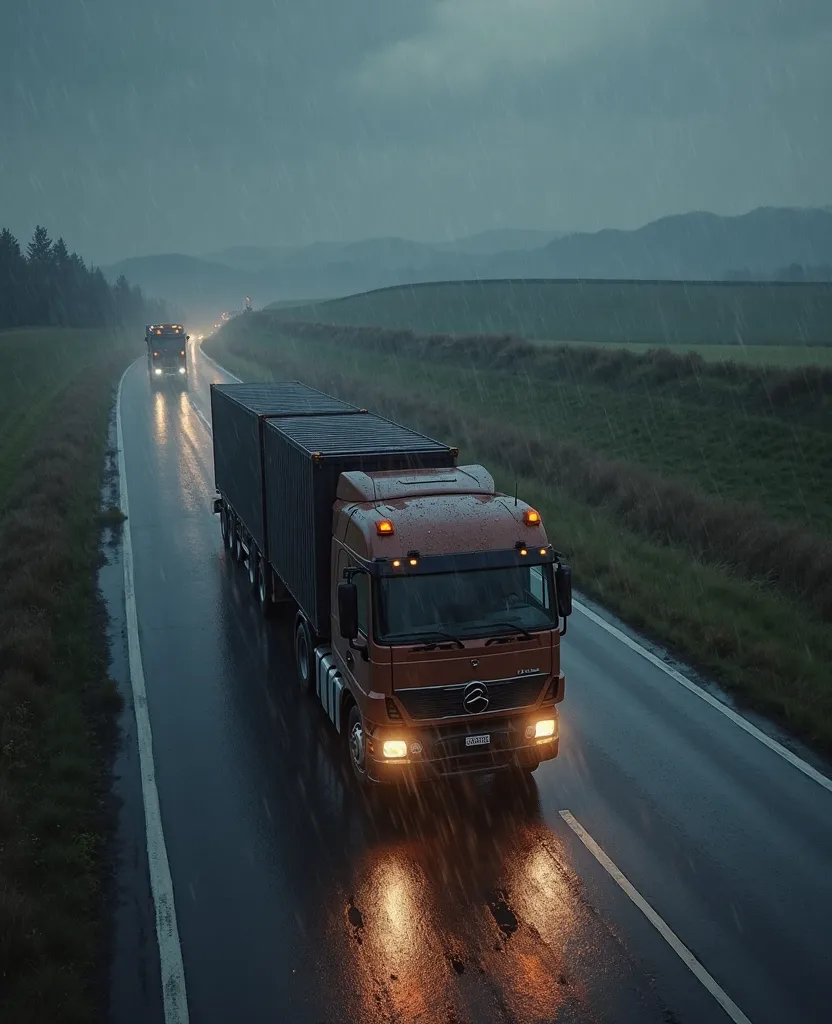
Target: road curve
(296, 903)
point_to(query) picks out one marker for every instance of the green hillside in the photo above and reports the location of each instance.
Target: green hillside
(673, 313)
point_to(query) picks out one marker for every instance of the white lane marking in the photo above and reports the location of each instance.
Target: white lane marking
(174, 996)
(221, 369)
(201, 415)
(723, 709)
(730, 714)
(670, 937)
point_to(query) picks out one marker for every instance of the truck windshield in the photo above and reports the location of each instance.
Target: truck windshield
(477, 603)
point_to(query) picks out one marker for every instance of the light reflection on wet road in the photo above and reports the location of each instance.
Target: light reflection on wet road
(297, 902)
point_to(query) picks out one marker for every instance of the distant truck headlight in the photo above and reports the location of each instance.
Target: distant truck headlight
(158, 371)
(545, 729)
(181, 369)
(395, 748)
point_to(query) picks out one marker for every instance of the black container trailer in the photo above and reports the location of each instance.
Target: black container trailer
(279, 450)
(239, 413)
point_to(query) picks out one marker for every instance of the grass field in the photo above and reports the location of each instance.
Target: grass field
(693, 499)
(686, 314)
(57, 705)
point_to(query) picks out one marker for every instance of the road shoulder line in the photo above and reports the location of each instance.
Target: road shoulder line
(167, 933)
(670, 937)
(733, 716)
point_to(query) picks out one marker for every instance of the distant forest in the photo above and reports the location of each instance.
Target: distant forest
(795, 272)
(47, 285)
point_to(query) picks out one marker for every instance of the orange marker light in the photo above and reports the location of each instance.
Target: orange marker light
(531, 518)
(543, 551)
(384, 528)
(397, 563)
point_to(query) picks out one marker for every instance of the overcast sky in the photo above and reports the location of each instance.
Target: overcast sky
(138, 126)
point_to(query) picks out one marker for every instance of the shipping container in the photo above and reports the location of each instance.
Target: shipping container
(238, 412)
(304, 458)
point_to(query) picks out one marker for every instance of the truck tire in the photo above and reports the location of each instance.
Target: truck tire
(225, 527)
(264, 588)
(356, 746)
(304, 655)
(236, 546)
(253, 568)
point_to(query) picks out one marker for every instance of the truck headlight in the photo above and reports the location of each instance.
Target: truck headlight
(158, 371)
(181, 369)
(545, 729)
(394, 748)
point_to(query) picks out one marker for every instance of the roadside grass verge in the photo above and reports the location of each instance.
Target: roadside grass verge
(57, 706)
(770, 648)
(38, 364)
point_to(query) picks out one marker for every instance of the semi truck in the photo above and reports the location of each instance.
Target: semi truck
(427, 606)
(167, 352)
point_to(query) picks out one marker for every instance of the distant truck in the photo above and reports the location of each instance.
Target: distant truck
(167, 352)
(428, 607)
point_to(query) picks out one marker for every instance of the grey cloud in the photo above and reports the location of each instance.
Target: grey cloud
(194, 124)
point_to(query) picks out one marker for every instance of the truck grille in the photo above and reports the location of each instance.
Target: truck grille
(446, 701)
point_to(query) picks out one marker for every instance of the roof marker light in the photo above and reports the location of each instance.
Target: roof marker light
(543, 551)
(384, 528)
(531, 518)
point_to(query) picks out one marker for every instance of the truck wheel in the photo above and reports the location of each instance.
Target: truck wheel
(225, 528)
(236, 545)
(264, 588)
(253, 568)
(304, 657)
(356, 745)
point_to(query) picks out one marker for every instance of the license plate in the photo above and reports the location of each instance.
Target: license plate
(478, 741)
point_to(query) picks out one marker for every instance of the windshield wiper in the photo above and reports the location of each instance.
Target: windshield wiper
(509, 627)
(435, 643)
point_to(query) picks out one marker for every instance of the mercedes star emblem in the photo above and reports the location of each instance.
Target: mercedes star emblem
(475, 698)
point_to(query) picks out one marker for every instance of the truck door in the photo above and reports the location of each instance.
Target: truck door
(356, 665)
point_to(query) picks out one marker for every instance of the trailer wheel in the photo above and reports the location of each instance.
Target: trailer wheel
(236, 546)
(225, 528)
(303, 654)
(264, 588)
(253, 568)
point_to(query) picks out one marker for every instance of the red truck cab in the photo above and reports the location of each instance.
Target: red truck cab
(446, 626)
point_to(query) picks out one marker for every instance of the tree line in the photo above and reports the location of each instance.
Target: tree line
(47, 285)
(794, 272)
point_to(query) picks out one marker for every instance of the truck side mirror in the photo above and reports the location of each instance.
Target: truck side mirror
(348, 610)
(563, 587)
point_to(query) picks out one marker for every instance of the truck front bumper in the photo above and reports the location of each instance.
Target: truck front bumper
(445, 751)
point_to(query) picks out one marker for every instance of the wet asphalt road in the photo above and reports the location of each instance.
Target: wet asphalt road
(298, 903)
